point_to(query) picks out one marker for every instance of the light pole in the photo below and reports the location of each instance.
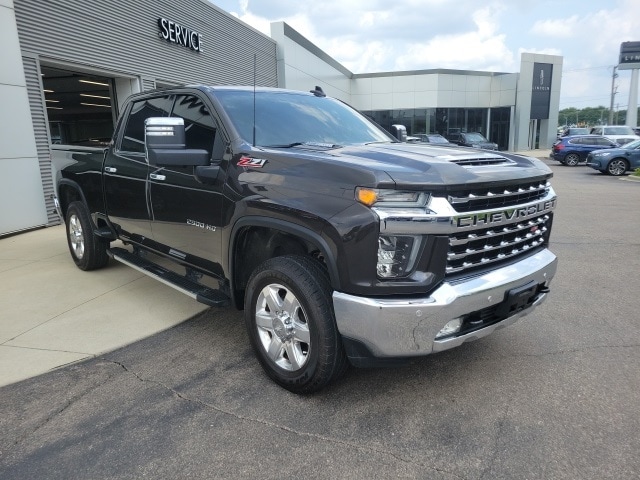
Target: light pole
(614, 90)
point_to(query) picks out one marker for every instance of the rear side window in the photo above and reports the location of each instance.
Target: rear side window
(133, 138)
(576, 141)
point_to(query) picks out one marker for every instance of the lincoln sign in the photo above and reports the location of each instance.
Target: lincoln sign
(629, 56)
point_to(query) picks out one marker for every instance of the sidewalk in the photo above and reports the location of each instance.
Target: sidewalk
(53, 314)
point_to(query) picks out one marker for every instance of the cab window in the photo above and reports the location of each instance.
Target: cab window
(133, 137)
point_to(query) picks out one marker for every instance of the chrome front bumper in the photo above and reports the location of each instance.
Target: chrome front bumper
(408, 327)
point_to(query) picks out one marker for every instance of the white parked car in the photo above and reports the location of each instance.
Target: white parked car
(620, 134)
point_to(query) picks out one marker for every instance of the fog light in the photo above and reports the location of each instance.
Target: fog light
(452, 326)
(396, 255)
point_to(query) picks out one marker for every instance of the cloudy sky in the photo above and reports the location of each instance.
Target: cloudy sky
(384, 35)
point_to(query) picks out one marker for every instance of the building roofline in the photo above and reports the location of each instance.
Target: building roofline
(291, 33)
(432, 71)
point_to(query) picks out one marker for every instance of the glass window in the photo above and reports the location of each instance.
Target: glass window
(199, 126)
(603, 141)
(80, 107)
(301, 118)
(133, 138)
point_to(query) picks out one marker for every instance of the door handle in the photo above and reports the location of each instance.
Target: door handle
(155, 176)
(110, 169)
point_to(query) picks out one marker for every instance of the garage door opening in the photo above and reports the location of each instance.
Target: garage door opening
(80, 107)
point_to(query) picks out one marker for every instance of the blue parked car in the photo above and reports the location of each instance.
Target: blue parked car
(574, 149)
(616, 161)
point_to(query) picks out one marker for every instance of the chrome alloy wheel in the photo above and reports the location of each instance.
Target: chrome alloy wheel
(617, 167)
(76, 236)
(282, 327)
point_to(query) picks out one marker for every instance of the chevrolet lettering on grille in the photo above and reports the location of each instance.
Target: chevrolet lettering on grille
(504, 216)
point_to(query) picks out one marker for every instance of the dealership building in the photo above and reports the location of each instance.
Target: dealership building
(69, 65)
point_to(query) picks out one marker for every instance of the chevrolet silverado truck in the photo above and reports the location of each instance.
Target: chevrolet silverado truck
(341, 244)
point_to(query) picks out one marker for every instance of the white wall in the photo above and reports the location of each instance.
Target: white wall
(21, 192)
(548, 129)
(302, 65)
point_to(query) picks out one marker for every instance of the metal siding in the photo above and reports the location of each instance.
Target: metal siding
(148, 84)
(123, 37)
(39, 120)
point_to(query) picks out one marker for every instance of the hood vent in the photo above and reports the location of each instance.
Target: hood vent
(482, 162)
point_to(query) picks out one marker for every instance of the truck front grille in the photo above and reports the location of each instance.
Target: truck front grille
(482, 227)
(481, 247)
(511, 195)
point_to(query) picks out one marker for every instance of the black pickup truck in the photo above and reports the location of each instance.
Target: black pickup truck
(342, 245)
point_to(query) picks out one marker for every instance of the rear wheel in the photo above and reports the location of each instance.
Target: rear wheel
(291, 324)
(88, 251)
(572, 159)
(617, 167)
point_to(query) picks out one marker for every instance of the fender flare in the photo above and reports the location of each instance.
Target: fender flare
(291, 228)
(73, 185)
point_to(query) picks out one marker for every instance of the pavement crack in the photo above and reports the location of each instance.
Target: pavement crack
(496, 446)
(323, 438)
(71, 401)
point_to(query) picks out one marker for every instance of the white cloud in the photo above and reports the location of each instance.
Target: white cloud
(480, 49)
(557, 27)
(378, 35)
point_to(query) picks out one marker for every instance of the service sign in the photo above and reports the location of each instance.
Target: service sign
(175, 33)
(629, 56)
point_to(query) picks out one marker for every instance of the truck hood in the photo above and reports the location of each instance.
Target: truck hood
(410, 164)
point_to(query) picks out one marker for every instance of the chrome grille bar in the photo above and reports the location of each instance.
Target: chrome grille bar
(517, 250)
(507, 194)
(490, 233)
(504, 244)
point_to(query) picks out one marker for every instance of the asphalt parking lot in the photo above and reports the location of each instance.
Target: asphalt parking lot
(555, 396)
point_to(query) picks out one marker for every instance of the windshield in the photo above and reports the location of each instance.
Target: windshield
(475, 137)
(289, 118)
(437, 139)
(621, 130)
(632, 145)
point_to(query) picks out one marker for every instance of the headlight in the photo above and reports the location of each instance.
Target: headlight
(391, 198)
(601, 154)
(397, 255)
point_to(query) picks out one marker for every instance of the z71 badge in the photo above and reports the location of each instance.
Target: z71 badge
(252, 162)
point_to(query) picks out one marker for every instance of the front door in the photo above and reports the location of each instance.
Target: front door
(186, 212)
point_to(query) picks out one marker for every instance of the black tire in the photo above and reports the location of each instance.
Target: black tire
(617, 167)
(572, 159)
(88, 251)
(291, 324)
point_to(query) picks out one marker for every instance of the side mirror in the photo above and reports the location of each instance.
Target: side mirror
(164, 141)
(400, 132)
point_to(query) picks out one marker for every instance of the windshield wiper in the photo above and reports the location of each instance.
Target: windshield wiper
(306, 144)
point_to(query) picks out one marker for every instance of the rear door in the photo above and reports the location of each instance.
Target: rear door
(126, 171)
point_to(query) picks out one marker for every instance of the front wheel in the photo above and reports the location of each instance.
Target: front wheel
(88, 251)
(291, 324)
(572, 159)
(617, 167)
